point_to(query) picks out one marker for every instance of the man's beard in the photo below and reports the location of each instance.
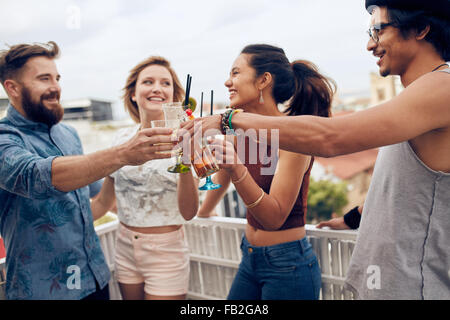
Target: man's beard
(38, 112)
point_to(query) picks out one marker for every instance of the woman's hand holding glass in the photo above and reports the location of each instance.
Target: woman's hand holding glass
(225, 153)
(228, 159)
(203, 161)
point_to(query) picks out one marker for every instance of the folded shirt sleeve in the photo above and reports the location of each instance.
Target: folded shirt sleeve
(23, 172)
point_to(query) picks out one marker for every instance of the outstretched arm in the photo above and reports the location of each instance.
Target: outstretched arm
(338, 223)
(73, 172)
(420, 108)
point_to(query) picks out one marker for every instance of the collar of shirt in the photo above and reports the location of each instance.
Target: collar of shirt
(19, 120)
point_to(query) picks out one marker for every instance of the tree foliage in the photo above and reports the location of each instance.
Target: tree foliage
(324, 198)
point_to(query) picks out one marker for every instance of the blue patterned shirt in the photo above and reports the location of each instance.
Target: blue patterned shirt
(52, 250)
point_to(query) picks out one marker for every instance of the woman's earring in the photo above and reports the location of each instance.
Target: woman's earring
(261, 100)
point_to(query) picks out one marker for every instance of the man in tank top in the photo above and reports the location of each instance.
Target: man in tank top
(402, 249)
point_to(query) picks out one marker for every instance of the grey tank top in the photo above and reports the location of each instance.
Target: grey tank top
(403, 244)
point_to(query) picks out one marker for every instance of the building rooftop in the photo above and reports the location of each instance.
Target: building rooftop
(81, 103)
(346, 166)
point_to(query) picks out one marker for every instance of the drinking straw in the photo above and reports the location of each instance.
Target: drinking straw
(201, 105)
(188, 89)
(212, 95)
(187, 85)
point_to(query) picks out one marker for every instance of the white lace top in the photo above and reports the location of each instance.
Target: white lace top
(146, 194)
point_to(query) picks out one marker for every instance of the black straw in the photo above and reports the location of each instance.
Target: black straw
(188, 89)
(201, 105)
(187, 86)
(212, 95)
(190, 81)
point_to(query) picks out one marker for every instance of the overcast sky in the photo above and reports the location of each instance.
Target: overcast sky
(102, 40)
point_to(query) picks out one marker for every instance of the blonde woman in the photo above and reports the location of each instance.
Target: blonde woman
(152, 259)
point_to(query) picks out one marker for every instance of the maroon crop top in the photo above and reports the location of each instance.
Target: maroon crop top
(297, 216)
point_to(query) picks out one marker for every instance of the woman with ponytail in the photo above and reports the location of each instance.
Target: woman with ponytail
(404, 224)
(278, 262)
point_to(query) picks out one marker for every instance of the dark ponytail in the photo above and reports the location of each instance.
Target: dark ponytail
(309, 92)
(313, 91)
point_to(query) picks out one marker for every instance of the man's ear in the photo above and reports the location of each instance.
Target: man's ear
(12, 88)
(264, 80)
(422, 34)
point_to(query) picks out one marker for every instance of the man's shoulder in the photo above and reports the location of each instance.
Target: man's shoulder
(8, 129)
(4, 122)
(438, 84)
(430, 88)
(439, 78)
(66, 126)
(67, 129)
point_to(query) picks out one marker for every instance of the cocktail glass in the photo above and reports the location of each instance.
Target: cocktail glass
(205, 165)
(172, 124)
(175, 111)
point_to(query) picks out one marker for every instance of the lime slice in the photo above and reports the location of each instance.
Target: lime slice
(179, 168)
(191, 105)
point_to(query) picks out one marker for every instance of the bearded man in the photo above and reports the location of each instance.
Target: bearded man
(52, 250)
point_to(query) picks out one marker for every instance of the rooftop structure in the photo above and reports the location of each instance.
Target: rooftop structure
(78, 109)
(87, 109)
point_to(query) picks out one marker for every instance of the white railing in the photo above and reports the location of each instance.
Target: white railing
(2, 279)
(214, 245)
(107, 233)
(215, 256)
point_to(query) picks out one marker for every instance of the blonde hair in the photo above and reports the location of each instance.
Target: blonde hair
(130, 86)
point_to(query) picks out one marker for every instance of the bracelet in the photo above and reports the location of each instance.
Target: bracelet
(241, 178)
(229, 119)
(352, 218)
(225, 122)
(254, 204)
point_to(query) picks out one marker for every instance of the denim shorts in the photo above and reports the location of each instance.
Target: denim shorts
(286, 271)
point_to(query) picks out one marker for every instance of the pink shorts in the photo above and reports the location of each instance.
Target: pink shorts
(160, 261)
